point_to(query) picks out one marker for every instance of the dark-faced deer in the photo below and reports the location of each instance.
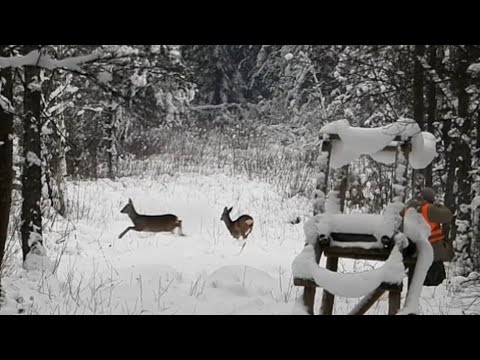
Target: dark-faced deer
(239, 228)
(151, 223)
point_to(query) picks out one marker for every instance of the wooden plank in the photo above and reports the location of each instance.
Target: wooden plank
(377, 254)
(346, 237)
(367, 302)
(394, 297)
(397, 139)
(384, 286)
(392, 147)
(357, 253)
(328, 299)
(391, 286)
(304, 282)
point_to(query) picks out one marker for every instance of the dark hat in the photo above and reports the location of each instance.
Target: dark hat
(428, 194)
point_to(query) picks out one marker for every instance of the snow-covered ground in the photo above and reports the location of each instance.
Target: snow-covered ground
(91, 271)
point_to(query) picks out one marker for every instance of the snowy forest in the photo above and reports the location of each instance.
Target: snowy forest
(197, 130)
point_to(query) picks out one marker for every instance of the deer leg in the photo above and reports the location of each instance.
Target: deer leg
(245, 243)
(180, 231)
(125, 231)
(179, 226)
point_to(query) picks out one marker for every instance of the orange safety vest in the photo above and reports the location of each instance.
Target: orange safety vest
(436, 233)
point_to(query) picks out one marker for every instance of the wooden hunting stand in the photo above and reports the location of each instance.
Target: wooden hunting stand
(402, 148)
(333, 254)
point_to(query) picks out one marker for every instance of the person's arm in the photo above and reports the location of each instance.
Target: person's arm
(439, 213)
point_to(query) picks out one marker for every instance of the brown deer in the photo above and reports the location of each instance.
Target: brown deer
(151, 223)
(241, 227)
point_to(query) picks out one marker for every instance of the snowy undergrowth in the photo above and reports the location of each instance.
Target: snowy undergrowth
(235, 151)
(91, 271)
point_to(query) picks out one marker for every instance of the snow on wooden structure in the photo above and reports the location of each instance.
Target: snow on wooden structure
(366, 236)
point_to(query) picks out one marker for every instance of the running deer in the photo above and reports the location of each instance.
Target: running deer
(241, 227)
(151, 223)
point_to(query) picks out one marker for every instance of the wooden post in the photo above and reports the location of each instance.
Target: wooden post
(394, 300)
(340, 185)
(310, 291)
(328, 299)
(323, 177)
(333, 254)
(406, 148)
(309, 298)
(326, 147)
(418, 182)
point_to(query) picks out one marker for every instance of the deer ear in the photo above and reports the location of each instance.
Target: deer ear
(229, 210)
(130, 201)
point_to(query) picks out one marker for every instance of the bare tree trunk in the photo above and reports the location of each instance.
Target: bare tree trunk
(432, 108)
(60, 161)
(418, 111)
(60, 171)
(450, 165)
(418, 82)
(110, 126)
(463, 240)
(94, 149)
(54, 147)
(31, 229)
(476, 210)
(6, 148)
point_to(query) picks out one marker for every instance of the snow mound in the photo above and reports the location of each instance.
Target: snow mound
(242, 280)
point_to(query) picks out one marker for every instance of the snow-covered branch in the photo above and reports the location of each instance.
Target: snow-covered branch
(37, 58)
(6, 105)
(214, 107)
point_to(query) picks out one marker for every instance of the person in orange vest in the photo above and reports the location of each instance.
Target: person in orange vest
(438, 216)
